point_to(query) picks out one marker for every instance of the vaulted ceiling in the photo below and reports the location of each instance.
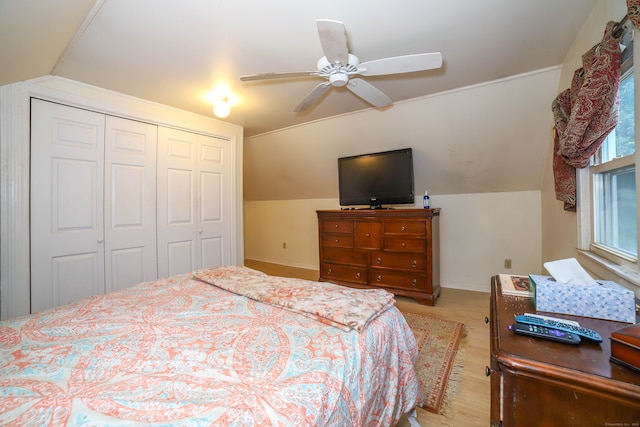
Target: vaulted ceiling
(179, 52)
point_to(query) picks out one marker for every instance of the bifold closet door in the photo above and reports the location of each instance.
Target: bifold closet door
(193, 202)
(67, 170)
(93, 204)
(130, 203)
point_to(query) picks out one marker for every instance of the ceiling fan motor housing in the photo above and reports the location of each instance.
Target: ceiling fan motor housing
(337, 73)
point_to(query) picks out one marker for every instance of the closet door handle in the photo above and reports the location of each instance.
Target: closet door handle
(100, 240)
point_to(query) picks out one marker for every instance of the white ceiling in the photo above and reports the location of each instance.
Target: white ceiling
(176, 52)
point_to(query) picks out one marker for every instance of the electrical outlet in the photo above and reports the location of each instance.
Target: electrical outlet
(507, 263)
(284, 245)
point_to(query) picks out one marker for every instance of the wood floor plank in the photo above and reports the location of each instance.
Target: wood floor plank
(470, 408)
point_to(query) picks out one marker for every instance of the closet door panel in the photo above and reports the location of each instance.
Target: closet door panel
(127, 266)
(180, 257)
(213, 227)
(212, 252)
(193, 202)
(177, 168)
(130, 202)
(67, 254)
(75, 277)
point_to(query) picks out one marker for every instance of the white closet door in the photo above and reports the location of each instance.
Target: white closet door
(130, 203)
(193, 202)
(67, 158)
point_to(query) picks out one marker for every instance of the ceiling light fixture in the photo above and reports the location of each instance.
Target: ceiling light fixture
(221, 107)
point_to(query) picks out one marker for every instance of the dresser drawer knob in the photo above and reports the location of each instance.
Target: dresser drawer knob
(379, 279)
(415, 282)
(337, 240)
(487, 371)
(379, 260)
(403, 228)
(368, 234)
(337, 225)
(486, 319)
(357, 275)
(404, 244)
(329, 271)
(414, 263)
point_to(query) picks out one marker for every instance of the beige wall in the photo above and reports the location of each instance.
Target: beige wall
(479, 229)
(480, 151)
(477, 232)
(559, 228)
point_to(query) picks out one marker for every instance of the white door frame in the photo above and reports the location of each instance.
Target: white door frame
(14, 167)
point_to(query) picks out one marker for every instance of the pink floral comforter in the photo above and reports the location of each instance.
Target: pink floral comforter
(181, 352)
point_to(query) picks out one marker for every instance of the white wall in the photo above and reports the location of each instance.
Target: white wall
(477, 233)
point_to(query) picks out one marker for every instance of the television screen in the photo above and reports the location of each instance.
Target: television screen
(376, 179)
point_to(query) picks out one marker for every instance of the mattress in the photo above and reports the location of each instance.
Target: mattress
(183, 351)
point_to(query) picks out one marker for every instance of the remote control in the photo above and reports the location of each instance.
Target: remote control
(571, 322)
(545, 333)
(559, 324)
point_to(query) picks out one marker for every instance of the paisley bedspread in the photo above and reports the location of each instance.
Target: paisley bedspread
(181, 352)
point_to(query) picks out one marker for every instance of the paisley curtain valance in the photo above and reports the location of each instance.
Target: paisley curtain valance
(585, 113)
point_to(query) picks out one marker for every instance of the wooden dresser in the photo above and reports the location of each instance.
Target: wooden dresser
(537, 382)
(394, 249)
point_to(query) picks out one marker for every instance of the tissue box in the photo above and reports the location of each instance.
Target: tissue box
(606, 300)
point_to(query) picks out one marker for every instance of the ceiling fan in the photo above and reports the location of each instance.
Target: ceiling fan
(340, 68)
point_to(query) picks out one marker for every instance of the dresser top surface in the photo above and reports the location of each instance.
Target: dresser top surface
(381, 213)
(584, 362)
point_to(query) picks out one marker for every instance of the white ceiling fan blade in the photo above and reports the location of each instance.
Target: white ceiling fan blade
(271, 76)
(333, 38)
(368, 92)
(401, 64)
(312, 97)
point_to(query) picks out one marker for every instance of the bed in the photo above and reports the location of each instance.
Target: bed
(229, 346)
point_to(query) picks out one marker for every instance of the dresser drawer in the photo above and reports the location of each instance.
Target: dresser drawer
(408, 227)
(345, 256)
(342, 226)
(407, 261)
(394, 279)
(337, 240)
(405, 244)
(343, 273)
(368, 235)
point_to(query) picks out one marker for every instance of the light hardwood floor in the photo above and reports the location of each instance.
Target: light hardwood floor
(470, 408)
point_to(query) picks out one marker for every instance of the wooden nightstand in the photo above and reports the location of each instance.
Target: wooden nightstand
(537, 382)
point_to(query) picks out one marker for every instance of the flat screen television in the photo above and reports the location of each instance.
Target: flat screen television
(376, 179)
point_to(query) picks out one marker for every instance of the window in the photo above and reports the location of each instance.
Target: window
(613, 179)
(613, 193)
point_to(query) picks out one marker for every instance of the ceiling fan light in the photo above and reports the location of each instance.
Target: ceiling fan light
(339, 79)
(222, 107)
